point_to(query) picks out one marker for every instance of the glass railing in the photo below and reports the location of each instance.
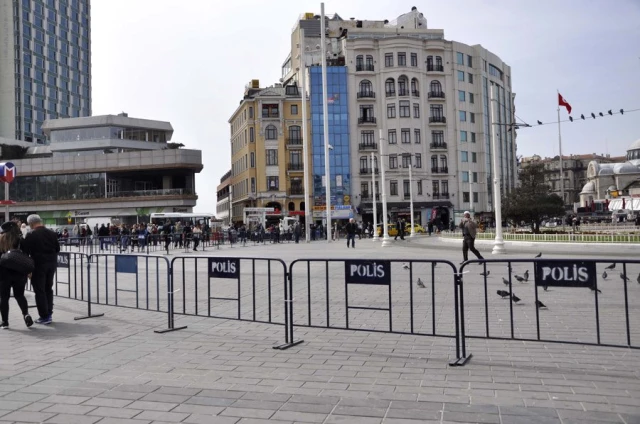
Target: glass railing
(145, 193)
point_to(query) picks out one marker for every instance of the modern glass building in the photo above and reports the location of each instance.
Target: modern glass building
(339, 156)
(45, 64)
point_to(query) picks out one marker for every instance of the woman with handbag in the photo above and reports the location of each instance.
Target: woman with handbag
(15, 266)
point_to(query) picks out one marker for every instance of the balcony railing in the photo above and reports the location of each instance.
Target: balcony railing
(294, 141)
(439, 170)
(368, 146)
(296, 191)
(435, 68)
(438, 145)
(146, 193)
(436, 95)
(366, 95)
(436, 196)
(437, 120)
(415, 93)
(390, 93)
(266, 115)
(295, 167)
(444, 195)
(368, 197)
(368, 171)
(366, 120)
(403, 92)
(407, 196)
(366, 67)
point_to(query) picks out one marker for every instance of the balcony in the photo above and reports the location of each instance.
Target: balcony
(444, 195)
(439, 170)
(435, 68)
(367, 147)
(147, 193)
(365, 120)
(365, 67)
(390, 93)
(368, 171)
(437, 120)
(366, 95)
(415, 93)
(368, 197)
(403, 92)
(436, 196)
(296, 191)
(436, 95)
(407, 196)
(294, 142)
(295, 167)
(438, 146)
(272, 115)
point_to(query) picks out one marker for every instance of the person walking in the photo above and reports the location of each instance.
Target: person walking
(296, 231)
(15, 267)
(43, 247)
(196, 235)
(351, 228)
(430, 227)
(469, 231)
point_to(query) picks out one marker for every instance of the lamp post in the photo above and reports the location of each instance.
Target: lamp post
(498, 245)
(374, 200)
(325, 113)
(413, 230)
(305, 154)
(386, 240)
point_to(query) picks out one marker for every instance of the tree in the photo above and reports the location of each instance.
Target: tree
(531, 202)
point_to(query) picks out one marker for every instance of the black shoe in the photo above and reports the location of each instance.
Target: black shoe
(28, 320)
(4, 326)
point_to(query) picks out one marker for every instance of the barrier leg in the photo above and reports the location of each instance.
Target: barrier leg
(288, 316)
(461, 346)
(89, 314)
(170, 321)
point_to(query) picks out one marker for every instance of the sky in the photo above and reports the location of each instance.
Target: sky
(187, 62)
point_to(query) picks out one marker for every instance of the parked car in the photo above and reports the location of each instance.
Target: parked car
(391, 228)
(416, 228)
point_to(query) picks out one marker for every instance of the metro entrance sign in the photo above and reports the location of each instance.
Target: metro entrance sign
(7, 175)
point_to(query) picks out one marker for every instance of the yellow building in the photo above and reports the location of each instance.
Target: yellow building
(267, 160)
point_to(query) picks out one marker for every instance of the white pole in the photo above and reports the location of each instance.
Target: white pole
(325, 112)
(305, 153)
(6, 205)
(498, 245)
(413, 230)
(561, 167)
(470, 194)
(374, 201)
(386, 241)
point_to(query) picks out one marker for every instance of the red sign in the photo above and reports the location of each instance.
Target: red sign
(294, 213)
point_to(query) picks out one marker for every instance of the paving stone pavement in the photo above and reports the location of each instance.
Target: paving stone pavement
(116, 370)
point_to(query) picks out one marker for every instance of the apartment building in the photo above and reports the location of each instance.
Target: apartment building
(223, 204)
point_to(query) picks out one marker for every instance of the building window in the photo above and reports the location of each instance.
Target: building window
(271, 133)
(364, 187)
(473, 137)
(392, 137)
(406, 188)
(388, 60)
(435, 87)
(474, 157)
(414, 87)
(419, 187)
(463, 136)
(414, 59)
(463, 116)
(270, 111)
(406, 160)
(443, 163)
(295, 159)
(445, 187)
(272, 183)
(359, 62)
(474, 177)
(471, 99)
(366, 113)
(253, 159)
(470, 78)
(405, 110)
(393, 161)
(390, 87)
(465, 176)
(437, 138)
(294, 109)
(391, 110)
(459, 58)
(469, 61)
(416, 137)
(253, 185)
(418, 160)
(461, 76)
(436, 111)
(475, 197)
(461, 96)
(402, 86)
(472, 117)
(366, 88)
(272, 157)
(369, 62)
(295, 133)
(364, 162)
(416, 110)
(464, 156)
(366, 138)
(251, 135)
(435, 188)
(405, 136)
(394, 187)
(250, 112)
(402, 59)
(465, 197)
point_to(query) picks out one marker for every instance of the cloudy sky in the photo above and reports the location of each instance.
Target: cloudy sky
(188, 61)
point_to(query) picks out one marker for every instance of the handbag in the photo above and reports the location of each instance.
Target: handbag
(17, 260)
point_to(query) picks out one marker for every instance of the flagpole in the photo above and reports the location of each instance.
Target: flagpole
(561, 167)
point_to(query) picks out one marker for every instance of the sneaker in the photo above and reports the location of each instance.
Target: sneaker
(4, 326)
(28, 320)
(44, 321)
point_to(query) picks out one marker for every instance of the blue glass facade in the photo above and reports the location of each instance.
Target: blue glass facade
(339, 157)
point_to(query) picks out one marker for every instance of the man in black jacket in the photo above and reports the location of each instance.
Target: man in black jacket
(43, 247)
(351, 229)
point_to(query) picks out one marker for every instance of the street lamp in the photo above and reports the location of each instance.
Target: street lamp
(325, 112)
(498, 245)
(305, 154)
(413, 230)
(386, 240)
(374, 200)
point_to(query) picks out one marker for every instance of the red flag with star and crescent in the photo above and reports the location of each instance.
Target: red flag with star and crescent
(563, 102)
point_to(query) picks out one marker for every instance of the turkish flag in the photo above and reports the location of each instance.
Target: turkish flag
(563, 102)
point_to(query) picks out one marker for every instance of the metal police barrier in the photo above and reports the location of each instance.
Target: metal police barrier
(389, 296)
(245, 289)
(77, 244)
(572, 301)
(70, 275)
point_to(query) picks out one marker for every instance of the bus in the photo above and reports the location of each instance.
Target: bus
(203, 219)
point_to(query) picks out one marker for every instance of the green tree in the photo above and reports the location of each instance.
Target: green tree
(532, 201)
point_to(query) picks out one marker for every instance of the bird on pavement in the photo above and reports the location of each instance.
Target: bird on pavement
(545, 288)
(540, 304)
(421, 284)
(519, 278)
(594, 289)
(485, 274)
(604, 275)
(624, 277)
(613, 265)
(515, 298)
(405, 266)
(503, 294)
(505, 281)
(539, 255)
(526, 275)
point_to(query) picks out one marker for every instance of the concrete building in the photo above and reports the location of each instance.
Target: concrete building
(102, 167)
(574, 172)
(223, 205)
(266, 152)
(428, 95)
(45, 64)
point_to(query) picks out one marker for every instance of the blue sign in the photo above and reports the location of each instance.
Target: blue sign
(127, 264)
(7, 172)
(367, 272)
(224, 268)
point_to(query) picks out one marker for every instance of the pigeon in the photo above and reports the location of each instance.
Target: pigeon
(638, 280)
(540, 304)
(515, 298)
(604, 275)
(503, 293)
(519, 278)
(486, 274)
(538, 255)
(526, 275)
(539, 122)
(624, 277)
(613, 265)
(545, 288)
(421, 284)
(405, 266)
(594, 289)
(505, 281)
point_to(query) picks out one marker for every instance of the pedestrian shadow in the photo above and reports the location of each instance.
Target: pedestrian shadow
(63, 330)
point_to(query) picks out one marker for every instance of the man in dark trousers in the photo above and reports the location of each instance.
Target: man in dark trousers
(43, 247)
(351, 229)
(469, 231)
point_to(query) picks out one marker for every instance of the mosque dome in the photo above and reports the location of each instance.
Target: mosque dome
(589, 188)
(625, 168)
